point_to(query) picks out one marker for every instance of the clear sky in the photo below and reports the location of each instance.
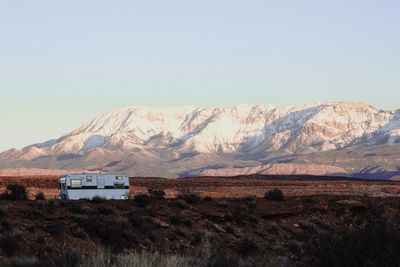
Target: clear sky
(62, 62)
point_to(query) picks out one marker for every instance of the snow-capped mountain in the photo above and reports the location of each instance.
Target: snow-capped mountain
(175, 141)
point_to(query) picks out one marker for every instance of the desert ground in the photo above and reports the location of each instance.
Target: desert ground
(206, 222)
(228, 187)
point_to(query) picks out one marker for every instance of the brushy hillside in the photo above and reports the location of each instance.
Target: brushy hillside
(196, 231)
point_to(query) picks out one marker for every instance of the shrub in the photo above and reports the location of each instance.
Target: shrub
(373, 242)
(68, 259)
(4, 223)
(250, 202)
(77, 209)
(39, 196)
(207, 198)
(136, 220)
(78, 232)
(52, 204)
(180, 232)
(103, 210)
(22, 262)
(175, 220)
(3, 213)
(220, 258)
(247, 247)
(16, 192)
(56, 228)
(222, 204)
(113, 233)
(9, 244)
(230, 230)
(142, 200)
(197, 238)
(156, 193)
(98, 199)
(275, 195)
(180, 203)
(243, 218)
(188, 223)
(191, 198)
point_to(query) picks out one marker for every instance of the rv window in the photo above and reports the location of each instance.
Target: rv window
(118, 186)
(119, 178)
(63, 184)
(89, 179)
(75, 183)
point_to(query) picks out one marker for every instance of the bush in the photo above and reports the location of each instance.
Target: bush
(136, 220)
(78, 232)
(22, 262)
(197, 238)
(103, 210)
(56, 228)
(180, 203)
(191, 198)
(142, 200)
(222, 204)
(3, 212)
(247, 247)
(16, 192)
(188, 223)
(220, 258)
(98, 199)
(207, 198)
(4, 223)
(373, 242)
(9, 245)
(39, 196)
(112, 233)
(175, 220)
(275, 195)
(250, 202)
(156, 193)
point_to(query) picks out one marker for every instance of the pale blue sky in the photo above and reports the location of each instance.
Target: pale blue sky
(64, 62)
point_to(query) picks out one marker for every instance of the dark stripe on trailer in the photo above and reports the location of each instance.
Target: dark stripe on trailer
(108, 187)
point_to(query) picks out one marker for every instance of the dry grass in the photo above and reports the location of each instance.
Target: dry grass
(104, 258)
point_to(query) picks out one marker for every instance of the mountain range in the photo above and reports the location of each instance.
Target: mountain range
(324, 138)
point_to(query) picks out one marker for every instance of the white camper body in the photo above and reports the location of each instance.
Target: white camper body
(87, 186)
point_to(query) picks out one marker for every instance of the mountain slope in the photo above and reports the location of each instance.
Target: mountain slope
(179, 141)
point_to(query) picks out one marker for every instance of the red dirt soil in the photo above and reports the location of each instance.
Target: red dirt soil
(225, 187)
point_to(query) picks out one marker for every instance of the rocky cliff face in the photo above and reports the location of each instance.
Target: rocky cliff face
(177, 141)
(281, 169)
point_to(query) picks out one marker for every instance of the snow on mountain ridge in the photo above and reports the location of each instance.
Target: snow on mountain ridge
(238, 129)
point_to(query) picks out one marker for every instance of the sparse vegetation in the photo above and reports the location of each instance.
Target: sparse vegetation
(156, 193)
(104, 210)
(175, 220)
(372, 241)
(275, 195)
(78, 232)
(250, 201)
(207, 198)
(56, 228)
(222, 204)
(198, 238)
(15, 192)
(180, 203)
(191, 199)
(142, 200)
(98, 199)
(247, 247)
(242, 231)
(10, 244)
(39, 196)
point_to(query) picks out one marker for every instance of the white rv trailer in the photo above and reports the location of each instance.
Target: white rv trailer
(87, 186)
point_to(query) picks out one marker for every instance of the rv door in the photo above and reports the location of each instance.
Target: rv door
(100, 182)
